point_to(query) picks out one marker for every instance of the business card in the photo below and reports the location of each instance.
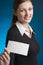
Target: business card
(18, 47)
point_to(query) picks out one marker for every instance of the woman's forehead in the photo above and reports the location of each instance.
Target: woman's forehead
(26, 4)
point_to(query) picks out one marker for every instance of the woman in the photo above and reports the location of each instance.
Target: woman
(21, 31)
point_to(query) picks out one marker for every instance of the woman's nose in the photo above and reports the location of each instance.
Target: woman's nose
(27, 13)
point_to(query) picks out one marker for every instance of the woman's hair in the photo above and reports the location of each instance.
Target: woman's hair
(15, 7)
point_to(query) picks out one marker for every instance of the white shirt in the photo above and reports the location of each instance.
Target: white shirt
(22, 29)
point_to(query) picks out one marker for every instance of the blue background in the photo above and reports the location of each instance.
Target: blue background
(6, 14)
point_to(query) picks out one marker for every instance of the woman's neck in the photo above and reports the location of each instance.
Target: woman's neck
(25, 25)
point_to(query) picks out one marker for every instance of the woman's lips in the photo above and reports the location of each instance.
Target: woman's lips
(27, 18)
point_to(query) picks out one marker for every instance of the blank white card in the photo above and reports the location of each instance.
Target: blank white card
(18, 47)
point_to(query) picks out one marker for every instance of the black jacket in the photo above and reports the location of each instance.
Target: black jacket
(17, 59)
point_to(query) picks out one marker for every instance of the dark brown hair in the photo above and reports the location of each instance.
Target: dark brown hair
(15, 6)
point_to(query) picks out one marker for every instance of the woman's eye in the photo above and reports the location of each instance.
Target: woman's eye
(30, 9)
(21, 10)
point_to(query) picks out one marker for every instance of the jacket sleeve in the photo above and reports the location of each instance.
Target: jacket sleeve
(12, 55)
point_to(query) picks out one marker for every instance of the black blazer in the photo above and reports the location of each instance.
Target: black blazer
(17, 59)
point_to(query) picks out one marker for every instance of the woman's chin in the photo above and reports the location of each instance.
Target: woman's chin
(27, 21)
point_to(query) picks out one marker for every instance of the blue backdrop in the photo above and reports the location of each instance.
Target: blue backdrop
(6, 15)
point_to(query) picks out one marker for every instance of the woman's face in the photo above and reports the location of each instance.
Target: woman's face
(24, 12)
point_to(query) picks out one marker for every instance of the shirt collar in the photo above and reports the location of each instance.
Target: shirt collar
(21, 28)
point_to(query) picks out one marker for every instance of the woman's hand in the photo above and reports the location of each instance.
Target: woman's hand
(5, 57)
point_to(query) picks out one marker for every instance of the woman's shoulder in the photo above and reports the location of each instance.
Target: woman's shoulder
(13, 29)
(12, 32)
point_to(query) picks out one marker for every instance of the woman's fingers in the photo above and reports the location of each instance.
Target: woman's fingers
(1, 61)
(5, 57)
(6, 50)
(5, 60)
(1, 57)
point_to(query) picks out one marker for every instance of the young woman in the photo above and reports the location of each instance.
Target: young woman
(21, 31)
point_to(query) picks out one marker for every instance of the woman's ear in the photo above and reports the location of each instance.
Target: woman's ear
(15, 13)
